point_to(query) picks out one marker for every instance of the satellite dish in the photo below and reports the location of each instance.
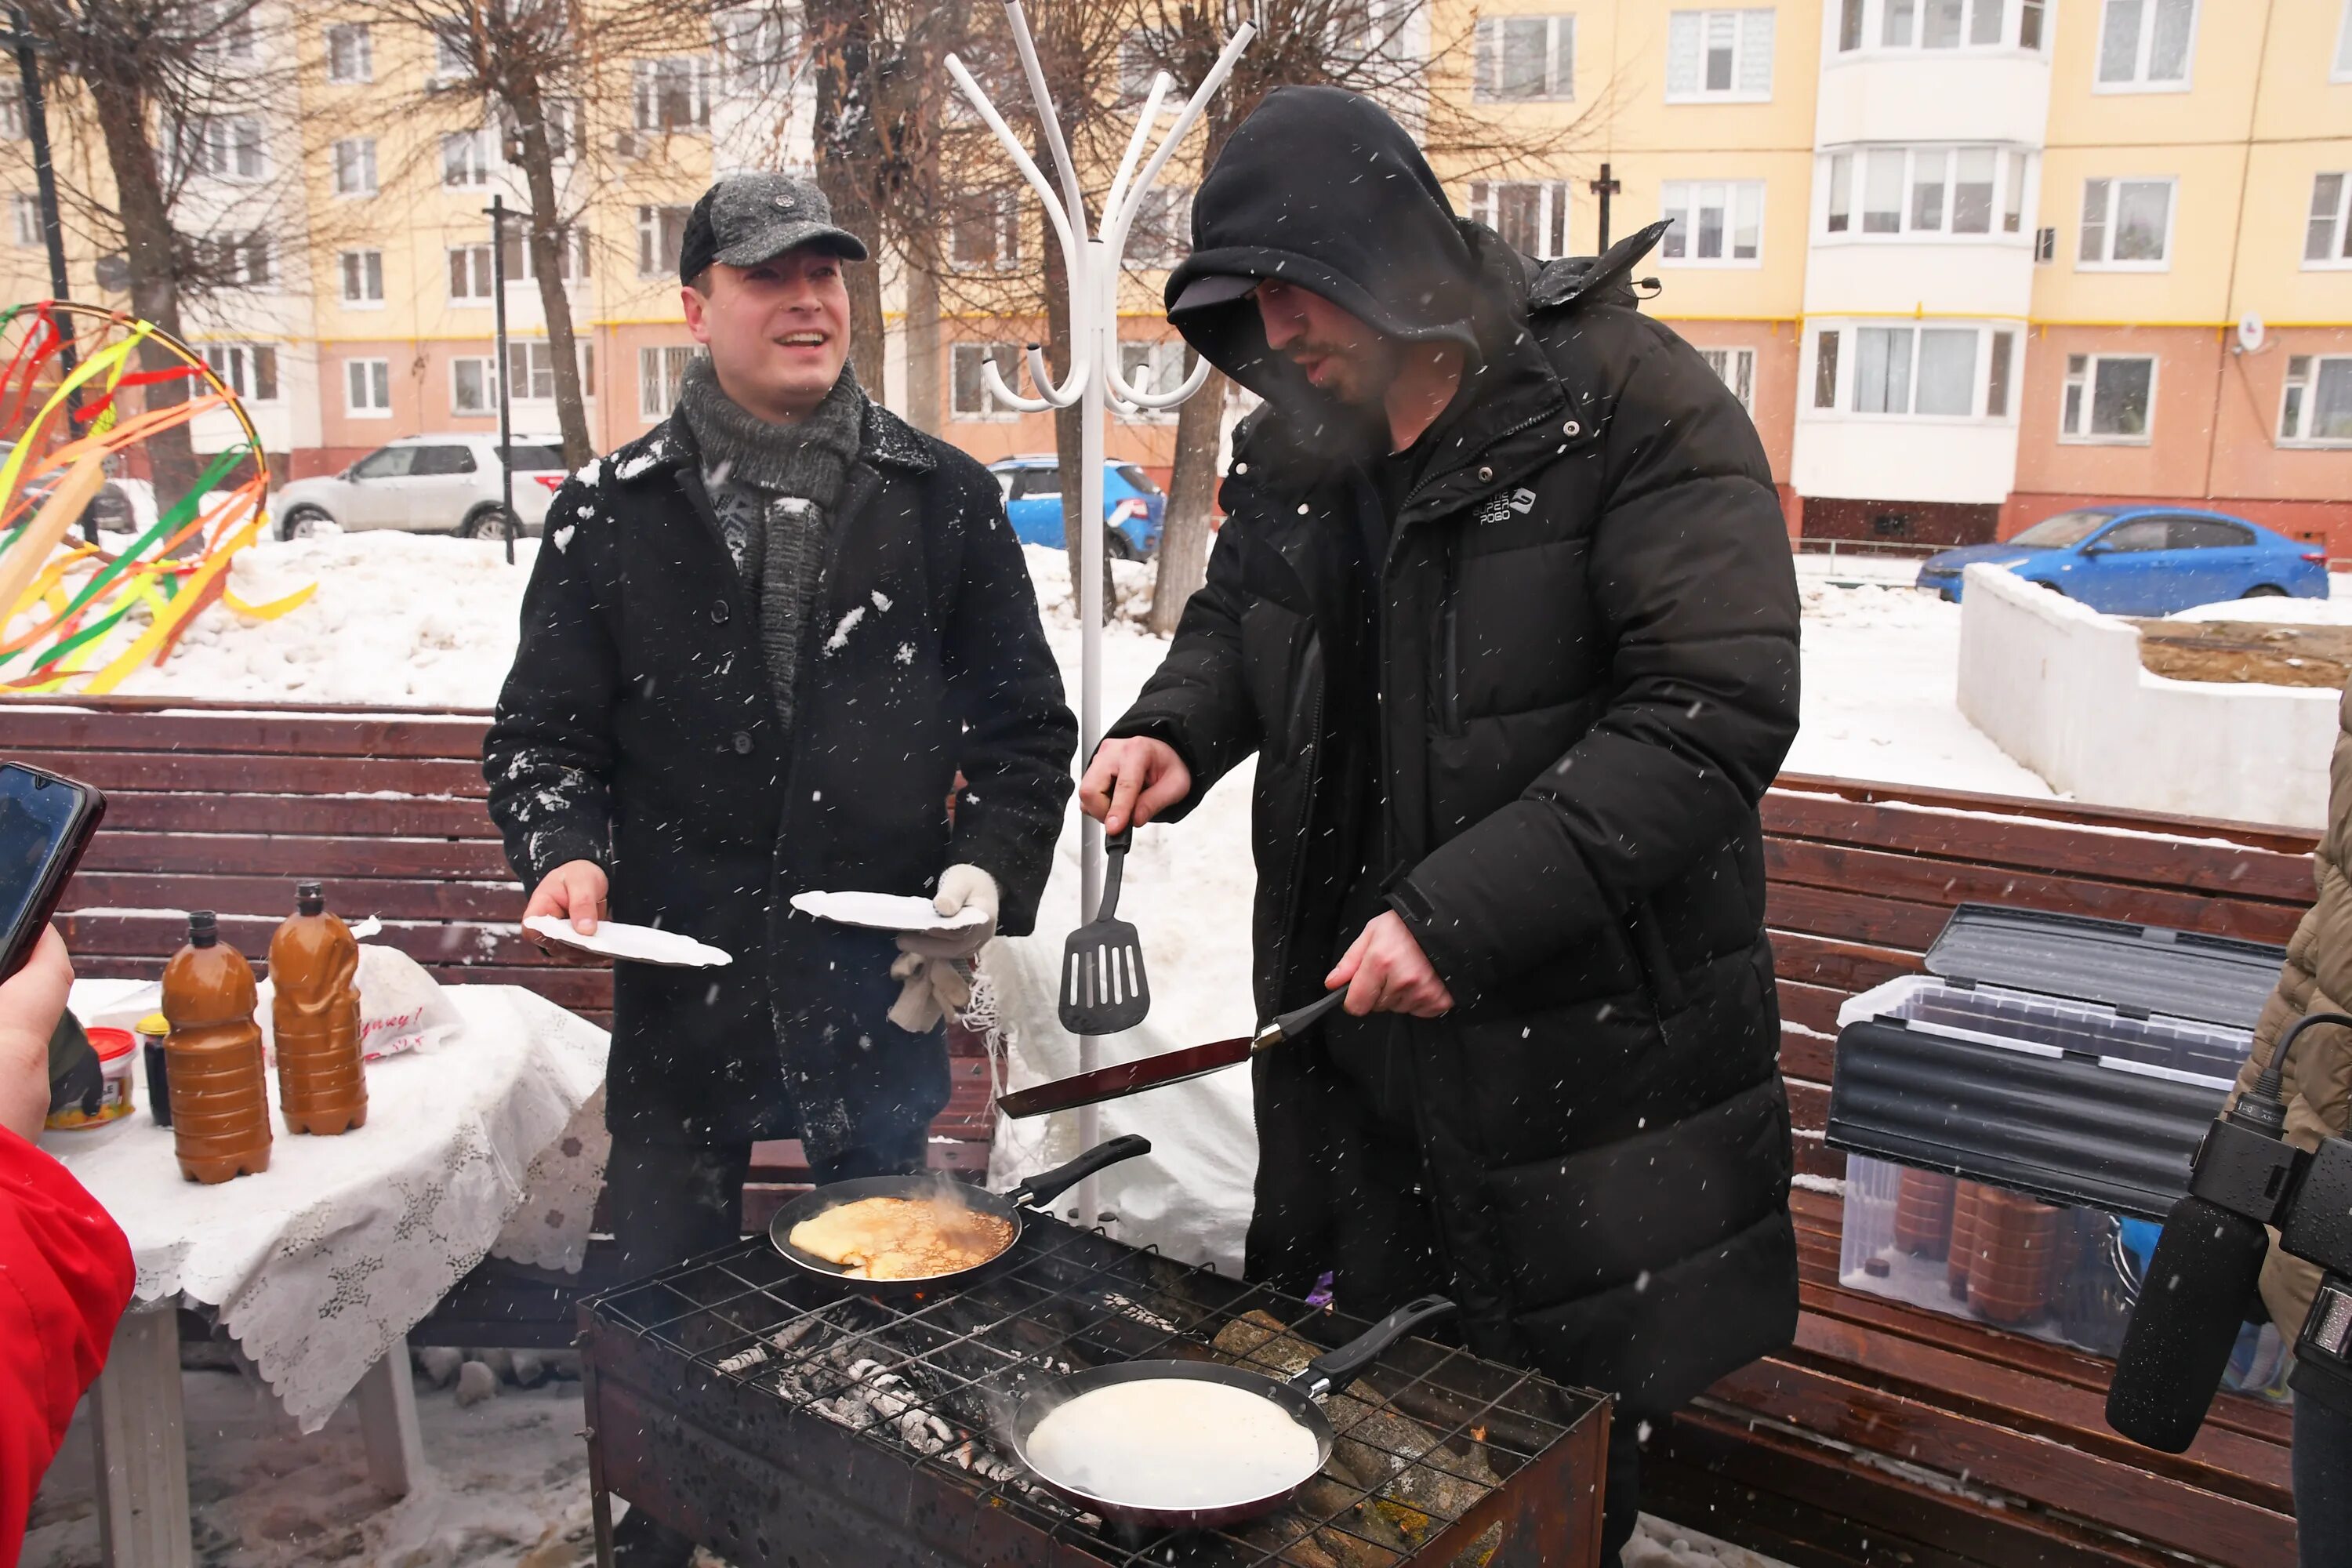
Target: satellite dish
(2250, 332)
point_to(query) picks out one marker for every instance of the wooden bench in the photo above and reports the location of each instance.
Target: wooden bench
(1888, 1434)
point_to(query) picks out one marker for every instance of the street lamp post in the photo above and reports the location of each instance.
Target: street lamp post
(508, 525)
(1091, 259)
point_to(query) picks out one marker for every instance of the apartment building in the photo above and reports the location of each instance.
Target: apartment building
(1966, 262)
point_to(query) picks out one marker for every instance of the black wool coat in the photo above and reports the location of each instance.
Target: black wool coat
(638, 729)
(1586, 656)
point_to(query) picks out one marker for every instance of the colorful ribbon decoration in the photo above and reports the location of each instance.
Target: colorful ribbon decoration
(56, 633)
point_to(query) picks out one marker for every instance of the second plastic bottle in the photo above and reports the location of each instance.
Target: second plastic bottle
(315, 1019)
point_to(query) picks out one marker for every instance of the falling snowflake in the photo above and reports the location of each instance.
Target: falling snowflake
(905, 653)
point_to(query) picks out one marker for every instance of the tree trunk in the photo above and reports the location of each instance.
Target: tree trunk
(155, 275)
(1185, 536)
(924, 350)
(847, 153)
(546, 238)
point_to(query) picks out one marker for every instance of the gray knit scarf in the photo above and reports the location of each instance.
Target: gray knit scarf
(777, 491)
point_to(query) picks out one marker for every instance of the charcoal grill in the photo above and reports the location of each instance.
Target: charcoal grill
(788, 1422)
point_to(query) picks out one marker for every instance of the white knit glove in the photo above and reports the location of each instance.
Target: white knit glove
(935, 971)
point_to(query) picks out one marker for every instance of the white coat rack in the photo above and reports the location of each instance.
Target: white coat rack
(1091, 261)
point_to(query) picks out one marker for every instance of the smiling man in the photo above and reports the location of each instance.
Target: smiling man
(760, 644)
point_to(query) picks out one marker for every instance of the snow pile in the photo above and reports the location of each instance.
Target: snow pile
(2333, 611)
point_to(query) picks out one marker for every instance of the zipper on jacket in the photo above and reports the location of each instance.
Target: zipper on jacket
(1415, 493)
(1306, 819)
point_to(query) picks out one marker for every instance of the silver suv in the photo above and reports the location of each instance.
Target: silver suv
(427, 484)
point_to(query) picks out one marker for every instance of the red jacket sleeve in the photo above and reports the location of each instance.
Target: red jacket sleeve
(65, 1280)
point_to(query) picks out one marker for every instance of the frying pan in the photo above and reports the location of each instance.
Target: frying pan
(1037, 1189)
(1298, 1396)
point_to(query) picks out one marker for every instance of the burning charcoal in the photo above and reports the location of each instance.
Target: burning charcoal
(743, 1361)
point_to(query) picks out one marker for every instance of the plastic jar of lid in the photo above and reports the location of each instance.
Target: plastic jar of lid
(114, 1048)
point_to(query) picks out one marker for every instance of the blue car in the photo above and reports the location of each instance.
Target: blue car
(2145, 560)
(1133, 506)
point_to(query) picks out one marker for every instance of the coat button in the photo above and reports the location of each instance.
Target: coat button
(1486, 474)
(718, 611)
(743, 742)
(1571, 429)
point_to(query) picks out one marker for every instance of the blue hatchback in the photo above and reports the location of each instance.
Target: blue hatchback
(2146, 560)
(1133, 506)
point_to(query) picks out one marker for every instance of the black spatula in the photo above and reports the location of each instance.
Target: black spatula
(1103, 987)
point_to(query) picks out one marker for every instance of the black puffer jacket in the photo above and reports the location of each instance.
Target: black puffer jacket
(636, 730)
(1587, 652)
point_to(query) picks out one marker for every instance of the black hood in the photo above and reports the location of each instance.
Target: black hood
(1321, 187)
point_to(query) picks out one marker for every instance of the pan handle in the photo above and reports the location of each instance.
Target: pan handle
(1051, 1184)
(1318, 1376)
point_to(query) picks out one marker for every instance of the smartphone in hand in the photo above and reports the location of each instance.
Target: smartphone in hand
(45, 822)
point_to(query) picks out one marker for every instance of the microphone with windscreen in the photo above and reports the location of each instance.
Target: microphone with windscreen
(2207, 1263)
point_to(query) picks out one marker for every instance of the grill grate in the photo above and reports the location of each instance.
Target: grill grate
(925, 1380)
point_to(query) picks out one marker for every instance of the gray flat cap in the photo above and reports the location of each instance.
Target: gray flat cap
(746, 220)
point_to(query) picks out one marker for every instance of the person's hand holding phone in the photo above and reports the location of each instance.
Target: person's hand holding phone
(31, 1002)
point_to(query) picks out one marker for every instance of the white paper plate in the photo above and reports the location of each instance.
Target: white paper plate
(884, 912)
(638, 944)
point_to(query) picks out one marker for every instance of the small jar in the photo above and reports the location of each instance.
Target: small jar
(154, 1038)
(115, 1048)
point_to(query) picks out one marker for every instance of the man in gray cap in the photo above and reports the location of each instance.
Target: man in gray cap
(760, 645)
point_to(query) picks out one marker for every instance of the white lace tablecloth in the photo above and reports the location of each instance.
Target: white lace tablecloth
(491, 1141)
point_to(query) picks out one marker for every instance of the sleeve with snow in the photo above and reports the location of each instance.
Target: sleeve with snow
(548, 754)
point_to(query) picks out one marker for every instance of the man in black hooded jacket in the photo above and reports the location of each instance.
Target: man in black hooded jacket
(1504, 604)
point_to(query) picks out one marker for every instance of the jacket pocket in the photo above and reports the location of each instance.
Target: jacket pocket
(1648, 940)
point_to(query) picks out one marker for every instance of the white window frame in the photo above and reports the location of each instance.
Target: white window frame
(1734, 365)
(359, 161)
(488, 369)
(1741, 47)
(573, 247)
(661, 369)
(1150, 364)
(987, 411)
(2139, 80)
(355, 64)
(1558, 85)
(221, 146)
(12, 110)
(655, 259)
(1737, 194)
(1006, 222)
(241, 366)
(773, 33)
(233, 254)
(2014, 172)
(2115, 183)
(1553, 210)
(453, 42)
(465, 160)
(2341, 70)
(1845, 393)
(2088, 382)
(1171, 225)
(2298, 410)
(648, 88)
(2340, 223)
(365, 267)
(1875, 15)
(27, 211)
(370, 377)
(229, 36)
(478, 262)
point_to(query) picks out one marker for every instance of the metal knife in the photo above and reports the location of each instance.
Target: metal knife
(1169, 1067)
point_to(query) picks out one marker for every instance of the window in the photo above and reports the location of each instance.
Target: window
(2108, 398)
(434, 461)
(2343, 71)
(1735, 368)
(2327, 238)
(2206, 533)
(2144, 44)
(1523, 59)
(472, 385)
(1825, 369)
(1927, 190)
(985, 233)
(2316, 410)
(227, 29)
(250, 369)
(1938, 23)
(367, 388)
(530, 370)
(661, 373)
(452, 51)
(386, 463)
(12, 108)
(363, 273)
(235, 260)
(355, 166)
(2137, 536)
(227, 147)
(465, 160)
(1530, 215)
(470, 275)
(1157, 366)
(755, 48)
(1722, 55)
(1714, 221)
(969, 398)
(1161, 233)
(661, 235)
(1914, 371)
(27, 211)
(2126, 224)
(351, 53)
(1139, 53)
(673, 94)
(572, 248)
(2004, 348)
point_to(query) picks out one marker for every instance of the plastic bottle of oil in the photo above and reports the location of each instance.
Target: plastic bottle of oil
(315, 1018)
(220, 1094)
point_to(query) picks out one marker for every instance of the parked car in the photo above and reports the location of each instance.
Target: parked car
(1133, 506)
(115, 507)
(2146, 560)
(427, 484)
